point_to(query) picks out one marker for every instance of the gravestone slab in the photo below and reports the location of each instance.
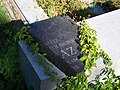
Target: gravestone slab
(108, 33)
(33, 73)
(57, 37)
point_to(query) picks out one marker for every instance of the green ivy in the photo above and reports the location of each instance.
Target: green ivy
(91, 51)
(78, 82)
(109, 81)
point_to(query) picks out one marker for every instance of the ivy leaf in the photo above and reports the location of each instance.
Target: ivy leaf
(104, 78)
(83, 59)
(109, 63)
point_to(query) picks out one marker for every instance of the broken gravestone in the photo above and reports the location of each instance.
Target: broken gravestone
(57, 38)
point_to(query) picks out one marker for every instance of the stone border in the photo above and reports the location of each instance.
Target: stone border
(28, 11)
(34, 74)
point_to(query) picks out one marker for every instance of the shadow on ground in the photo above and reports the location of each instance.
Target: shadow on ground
(10, 75)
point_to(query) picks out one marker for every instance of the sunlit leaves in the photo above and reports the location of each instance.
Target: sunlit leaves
(34, 48)
(78, 82)
(55, 8)
(90, 48)
(91, 51)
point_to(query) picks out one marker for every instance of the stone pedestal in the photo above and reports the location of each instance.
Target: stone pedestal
(33, 73)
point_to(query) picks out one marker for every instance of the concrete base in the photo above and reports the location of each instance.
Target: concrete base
(33, 73)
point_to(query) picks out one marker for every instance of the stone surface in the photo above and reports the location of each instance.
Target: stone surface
(57, 37)
(30, 10)
(33, 73)
(108, 32)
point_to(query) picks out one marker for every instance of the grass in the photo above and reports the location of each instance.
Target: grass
(10, 76)
(74, 8)
(3, 14)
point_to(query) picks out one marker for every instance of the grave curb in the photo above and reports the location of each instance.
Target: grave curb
(33, 73)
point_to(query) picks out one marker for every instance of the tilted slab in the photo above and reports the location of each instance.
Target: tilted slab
(57, 38)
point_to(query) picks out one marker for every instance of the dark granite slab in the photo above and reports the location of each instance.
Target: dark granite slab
(57, 38)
